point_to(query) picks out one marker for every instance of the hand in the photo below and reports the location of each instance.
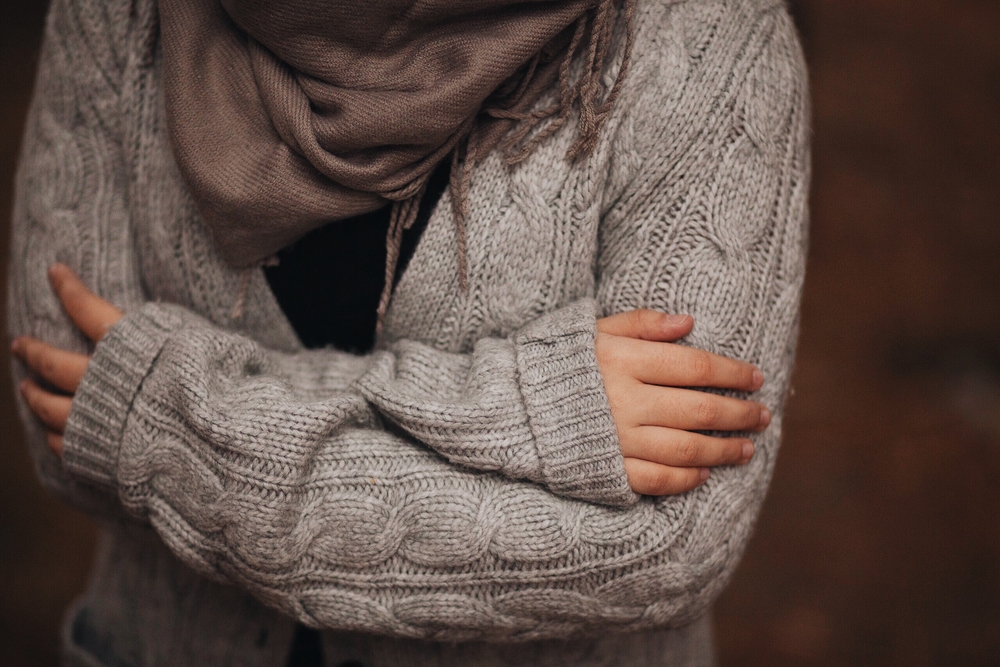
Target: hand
(644, 376)
(62, 370)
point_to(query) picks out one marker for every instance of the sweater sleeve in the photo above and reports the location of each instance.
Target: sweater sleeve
(712, 220)
(531, 406)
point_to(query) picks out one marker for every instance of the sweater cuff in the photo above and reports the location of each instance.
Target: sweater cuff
(102, 403)
(568, 407)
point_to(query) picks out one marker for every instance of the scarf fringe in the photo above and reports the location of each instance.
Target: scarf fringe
(585, 93)
(403, 215)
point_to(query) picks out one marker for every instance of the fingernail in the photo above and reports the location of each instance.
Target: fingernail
(15, 345)
(758, 379)
(703, 474)
(765, 417)
(747, 451)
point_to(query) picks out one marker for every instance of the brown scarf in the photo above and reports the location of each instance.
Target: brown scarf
(287, 115)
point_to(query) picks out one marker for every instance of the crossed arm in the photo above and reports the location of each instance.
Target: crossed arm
(646, 377)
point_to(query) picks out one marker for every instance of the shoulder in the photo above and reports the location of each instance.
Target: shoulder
(696, 53)
(702, 71)
(699, 27)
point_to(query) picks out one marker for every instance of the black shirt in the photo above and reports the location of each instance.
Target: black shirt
(328, 284)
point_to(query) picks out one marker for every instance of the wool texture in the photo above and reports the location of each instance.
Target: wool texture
(462, 486)
(285, 116)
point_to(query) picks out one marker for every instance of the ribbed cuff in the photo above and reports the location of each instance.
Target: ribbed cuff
(568, 407)
(104, 398)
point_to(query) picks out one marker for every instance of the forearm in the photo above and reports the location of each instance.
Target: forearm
(308, 503)
(531, 406)
(726, 242)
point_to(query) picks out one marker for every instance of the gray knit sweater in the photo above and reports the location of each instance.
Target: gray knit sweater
(462, 487)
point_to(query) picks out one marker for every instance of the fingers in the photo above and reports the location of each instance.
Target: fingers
(62, 369)
(653, 479)
(680, 366)
(51, 409)
(672, 447)
(647, 325)
(89, 312)
(663, 461)
(644, 374)
(692, 410)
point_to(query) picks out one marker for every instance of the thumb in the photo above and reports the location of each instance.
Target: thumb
(647, 324)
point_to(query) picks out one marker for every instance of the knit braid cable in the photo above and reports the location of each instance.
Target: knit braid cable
(585, 91)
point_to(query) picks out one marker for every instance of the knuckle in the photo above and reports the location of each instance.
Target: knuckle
(706, 411)
(659, 480)
(701, 368)
(687, 451)
(630, 445)
(622, 411)
(635, 320)
(665, 487)
(615, 355)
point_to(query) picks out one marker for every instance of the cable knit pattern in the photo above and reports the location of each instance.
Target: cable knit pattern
(464, 481)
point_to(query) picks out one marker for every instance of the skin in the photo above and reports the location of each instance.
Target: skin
(647, 377)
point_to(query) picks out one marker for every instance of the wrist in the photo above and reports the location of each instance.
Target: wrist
(568, 408)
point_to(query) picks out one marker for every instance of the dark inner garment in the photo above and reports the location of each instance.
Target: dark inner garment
(328, 284)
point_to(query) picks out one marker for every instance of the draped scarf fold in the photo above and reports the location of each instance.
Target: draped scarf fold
(284, 116)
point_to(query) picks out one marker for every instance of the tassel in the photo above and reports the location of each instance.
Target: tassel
(401, 218)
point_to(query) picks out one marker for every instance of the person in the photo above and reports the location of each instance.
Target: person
(541, 437)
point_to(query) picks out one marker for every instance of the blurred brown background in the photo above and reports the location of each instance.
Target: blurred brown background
(880, 541)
